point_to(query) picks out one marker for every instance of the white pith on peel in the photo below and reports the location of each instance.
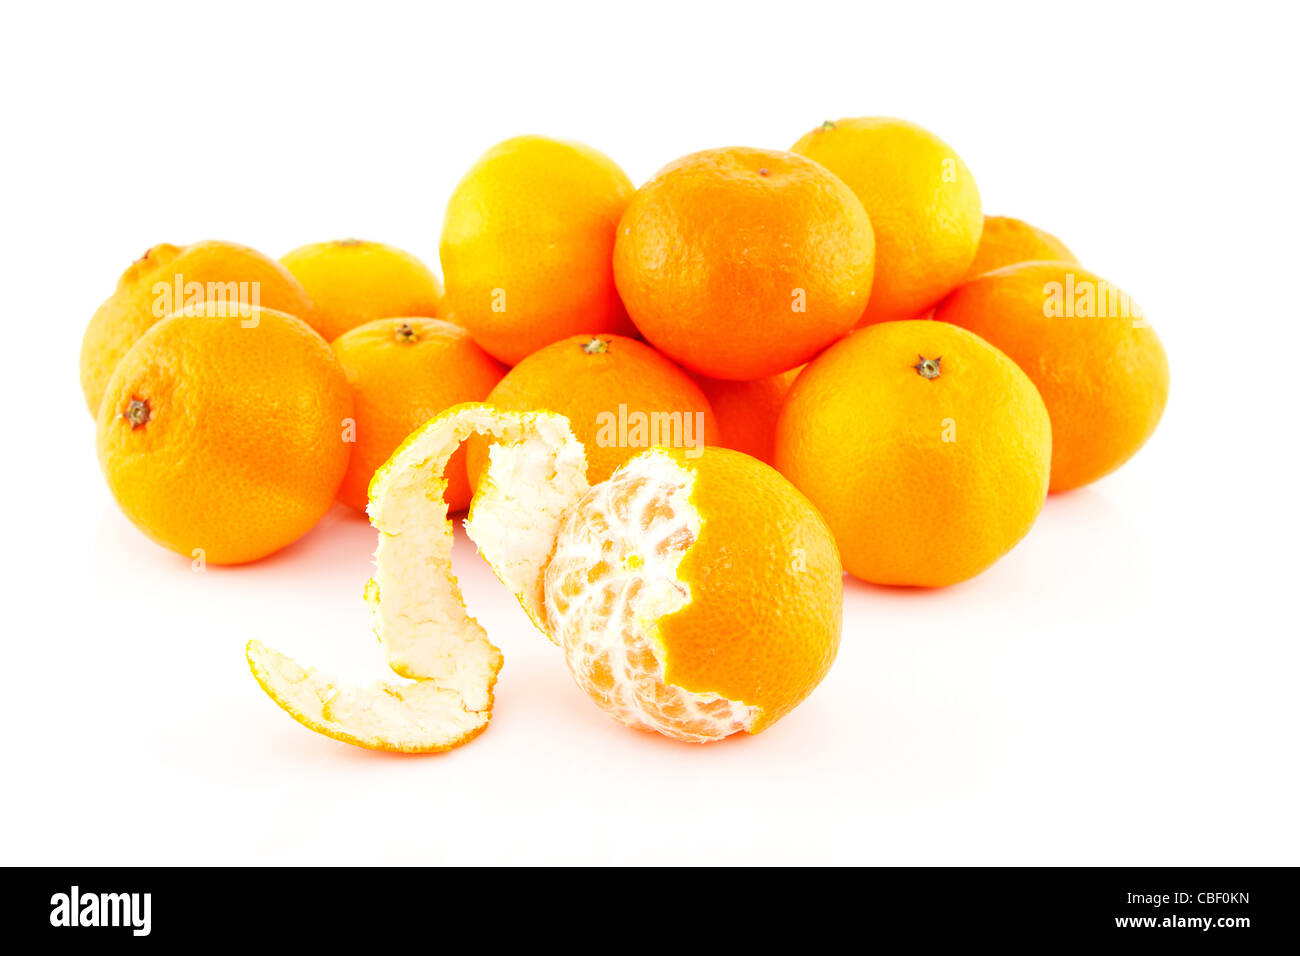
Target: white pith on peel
(535, 471)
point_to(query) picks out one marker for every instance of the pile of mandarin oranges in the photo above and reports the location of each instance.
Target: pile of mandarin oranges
(855, 367)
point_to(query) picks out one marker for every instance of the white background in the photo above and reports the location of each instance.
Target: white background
(1121, 689)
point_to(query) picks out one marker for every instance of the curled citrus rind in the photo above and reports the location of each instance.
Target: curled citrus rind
(535, 471)
(414, 717)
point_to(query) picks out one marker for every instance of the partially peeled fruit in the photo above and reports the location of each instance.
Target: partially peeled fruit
(696, 594)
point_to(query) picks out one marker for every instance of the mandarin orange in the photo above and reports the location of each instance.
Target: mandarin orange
(742, 263)
(747, 412)
(221, 432)
(1006, 241)
(168, 278)
(697, 597)
(922, 200)
(526, 244)
(926, 449)
(619, 395)
(354, 281)
(1088, 348)
(403, 372)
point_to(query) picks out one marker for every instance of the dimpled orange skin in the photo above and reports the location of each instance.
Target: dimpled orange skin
(1006, 241)
(1105, 379)
(354, 281)
(242, 450)
(136, 304)
(404, 372)
(922, 200)
(925, 481)
(763, 622)
(586, 378)
(747, 412)
(741, 263)
(526, 246)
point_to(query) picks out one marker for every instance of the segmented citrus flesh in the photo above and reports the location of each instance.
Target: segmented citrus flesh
(612, 579)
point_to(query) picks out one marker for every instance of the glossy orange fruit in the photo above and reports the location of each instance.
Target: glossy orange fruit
(922, 200)
(526, 245)
(741, 263)
(354, 281)
(221, 433)
(747, 412)
(1006, 241)
(404, 372)
(168, 278)
(620, 396)
(1087, 347)
(695, 597)
(926, 449)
